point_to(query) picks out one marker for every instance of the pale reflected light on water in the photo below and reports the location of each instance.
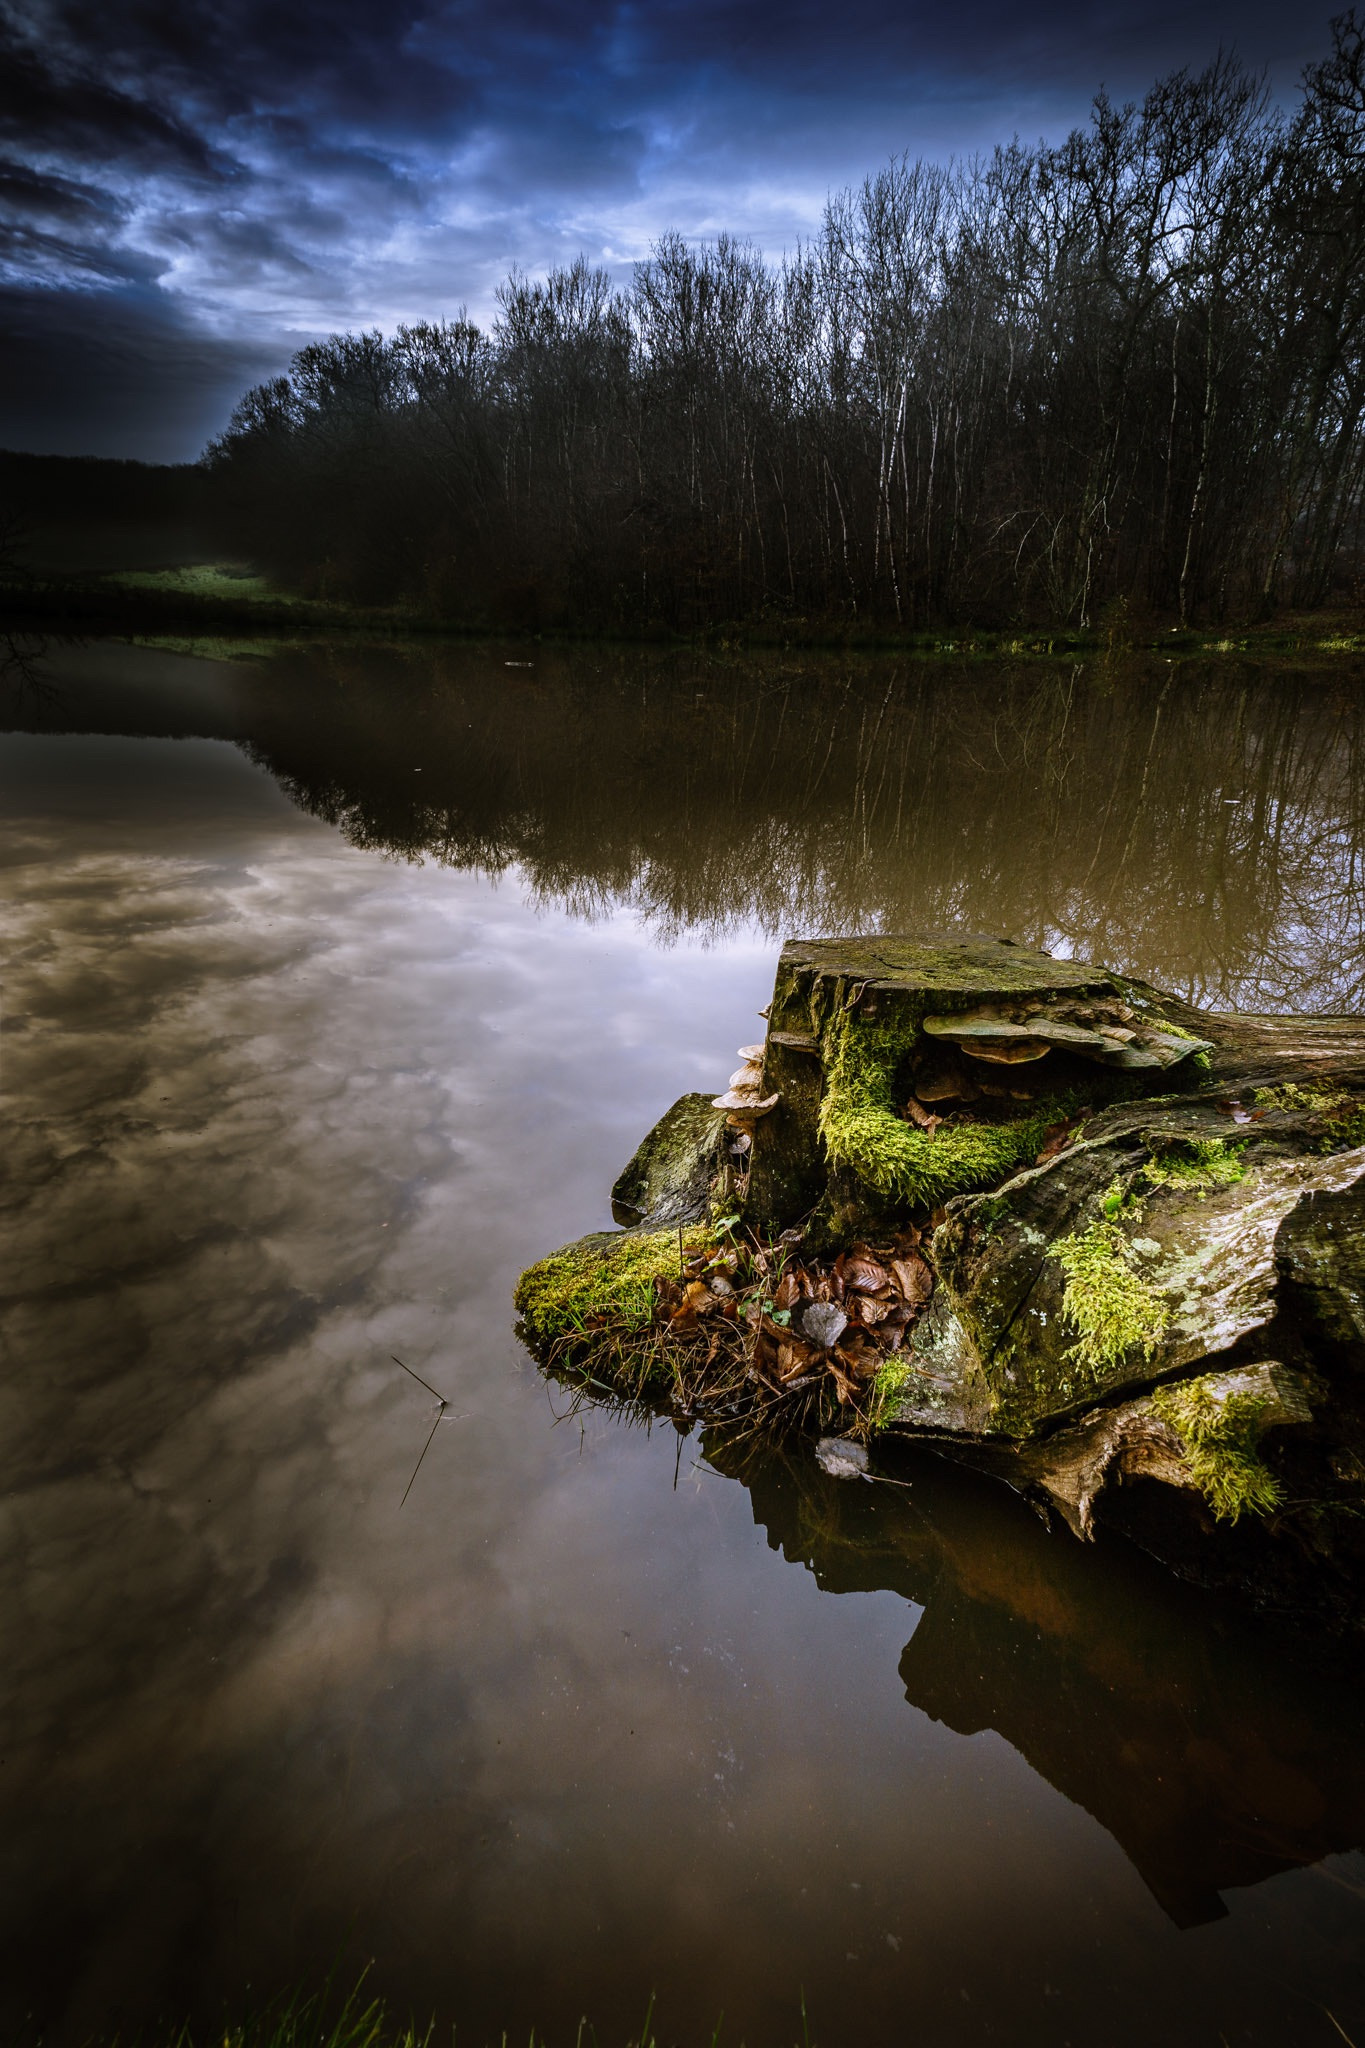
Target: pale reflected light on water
(298, 1082)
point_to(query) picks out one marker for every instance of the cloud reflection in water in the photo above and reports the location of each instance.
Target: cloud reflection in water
(554, 1733)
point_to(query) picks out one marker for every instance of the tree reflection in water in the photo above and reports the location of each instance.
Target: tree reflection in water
(1200, 826)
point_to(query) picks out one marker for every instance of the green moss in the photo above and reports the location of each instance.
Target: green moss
(861, 1129)
(889, 1384)
(1197, 1164)
(1106, 1300)
(601, 1287)
(1350, 1130)
(1311, 1097)
(1342, 1113)
(1220, 1435)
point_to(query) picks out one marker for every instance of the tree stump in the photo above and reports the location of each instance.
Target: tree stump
(1128, 1238)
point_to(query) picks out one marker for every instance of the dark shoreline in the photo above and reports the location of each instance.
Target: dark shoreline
(104, 605)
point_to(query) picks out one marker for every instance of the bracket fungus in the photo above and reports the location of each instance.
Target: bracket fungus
(1114, 1038)
(744, 1101)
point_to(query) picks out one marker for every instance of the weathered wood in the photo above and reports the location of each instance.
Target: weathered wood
(951, 1007)
(1144, 1228)
(668, 1180)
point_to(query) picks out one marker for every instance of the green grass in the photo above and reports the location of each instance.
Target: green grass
(215, 646)
(221, 582)
(365, 2022)
(214, 585)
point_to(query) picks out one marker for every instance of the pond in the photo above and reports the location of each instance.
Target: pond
(341, 985)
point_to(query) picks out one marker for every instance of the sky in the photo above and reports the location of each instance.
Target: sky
(192, 189)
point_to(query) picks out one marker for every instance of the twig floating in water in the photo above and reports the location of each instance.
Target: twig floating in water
(444, 1404)
(420, 1381)
(425, 1448)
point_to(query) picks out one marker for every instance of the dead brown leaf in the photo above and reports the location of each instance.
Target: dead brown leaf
(844, 1385)
(863, 1274)
(923, 1119)
(913, 1277)
(787, 1292)
(793, 1358)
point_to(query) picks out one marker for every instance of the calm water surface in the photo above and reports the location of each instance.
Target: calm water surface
(339, 987)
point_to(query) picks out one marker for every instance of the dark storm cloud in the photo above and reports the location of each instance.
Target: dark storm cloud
(43, 197)
(119, 373)
(64, 111)
(251, 174)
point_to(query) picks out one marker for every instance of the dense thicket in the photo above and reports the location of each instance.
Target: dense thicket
(1125, 370)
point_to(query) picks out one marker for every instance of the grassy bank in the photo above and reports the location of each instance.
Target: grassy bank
(221, 600)
(360, 2021)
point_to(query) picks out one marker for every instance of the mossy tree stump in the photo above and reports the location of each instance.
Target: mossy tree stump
(860, 1028)
(1142, 1229)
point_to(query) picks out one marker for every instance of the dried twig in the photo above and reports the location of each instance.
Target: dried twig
(444, 1404)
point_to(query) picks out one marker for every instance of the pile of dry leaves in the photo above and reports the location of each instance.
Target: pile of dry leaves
(752, 1325)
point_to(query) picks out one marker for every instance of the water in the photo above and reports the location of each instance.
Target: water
(340, 986)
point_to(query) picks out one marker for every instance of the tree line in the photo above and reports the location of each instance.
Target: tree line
(1043, 385)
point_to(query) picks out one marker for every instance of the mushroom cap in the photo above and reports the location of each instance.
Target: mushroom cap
(1009, 1052)
(745, 1105)
(797, 1041)
(753, 1054)
(1076, 1037)
(1175, 1048)
(747, 1077)
(944, 1087)
(1007, 1041)
(974, 1025)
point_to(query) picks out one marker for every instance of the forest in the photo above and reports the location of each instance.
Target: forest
(1121, 378)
